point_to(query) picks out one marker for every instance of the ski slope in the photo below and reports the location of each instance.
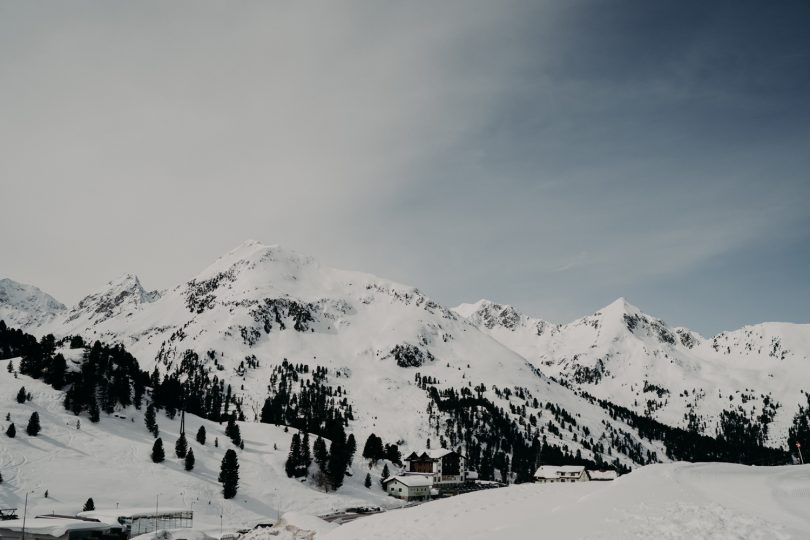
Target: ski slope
(707, 501)
(110, 462)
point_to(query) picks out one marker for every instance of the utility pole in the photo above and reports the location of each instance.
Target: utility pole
(25, 513)
(157, 498)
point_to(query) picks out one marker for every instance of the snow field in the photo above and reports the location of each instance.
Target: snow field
(110, 462)
(710, 501)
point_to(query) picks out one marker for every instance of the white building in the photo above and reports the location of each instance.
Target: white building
(560, 473)
(409, 487)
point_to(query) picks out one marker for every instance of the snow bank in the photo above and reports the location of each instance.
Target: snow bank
(50, 526)
(174, 534)
(673, 501)
(292, 525)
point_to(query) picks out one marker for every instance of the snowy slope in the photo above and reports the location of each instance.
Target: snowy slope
(636, 360)
(673, 501)
(369, 332)
(25, 306)
(110, 462)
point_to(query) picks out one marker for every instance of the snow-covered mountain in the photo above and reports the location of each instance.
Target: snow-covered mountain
(120, 298)
(26, 306)
(670, 373)
(259, 305)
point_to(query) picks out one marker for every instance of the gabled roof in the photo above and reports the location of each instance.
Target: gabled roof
(411, 480)
(433, 453)
(549, 472)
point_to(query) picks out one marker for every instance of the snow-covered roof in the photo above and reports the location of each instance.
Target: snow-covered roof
(556, 471)
(602, 475)
(51, 526)
(412, 480)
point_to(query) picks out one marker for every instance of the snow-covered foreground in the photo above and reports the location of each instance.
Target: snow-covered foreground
(689, 501)
(110, 462)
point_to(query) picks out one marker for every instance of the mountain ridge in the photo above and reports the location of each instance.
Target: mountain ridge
(673, 374)
(263, 303)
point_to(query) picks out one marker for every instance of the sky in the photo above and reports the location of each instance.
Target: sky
(550, 155)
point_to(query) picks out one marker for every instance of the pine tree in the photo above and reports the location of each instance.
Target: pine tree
(367, 482)
(351, 448)
(33, 427)
(10, 368)
(189, 459)
(229, 474)
(373, 448)
(56, 372)
(11, 431)
(181, 446)
(158, 455)
(22, 395)
(89, 506)
(392, 454)
(385, 474)
(306, 453)
(216, 442)
(95, 414)
(232, 430)
(293, 458)
(149, 420)
(320, 453)
(336, 467)
(201, 435)
(1, 478)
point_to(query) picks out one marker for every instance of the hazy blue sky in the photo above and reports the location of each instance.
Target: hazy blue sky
(552, 155)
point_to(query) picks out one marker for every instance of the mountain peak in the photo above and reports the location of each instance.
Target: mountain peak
(620, 306)
(23, 305)
(489, 314)
(467, 310)
(123, 294)
(251, 253)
